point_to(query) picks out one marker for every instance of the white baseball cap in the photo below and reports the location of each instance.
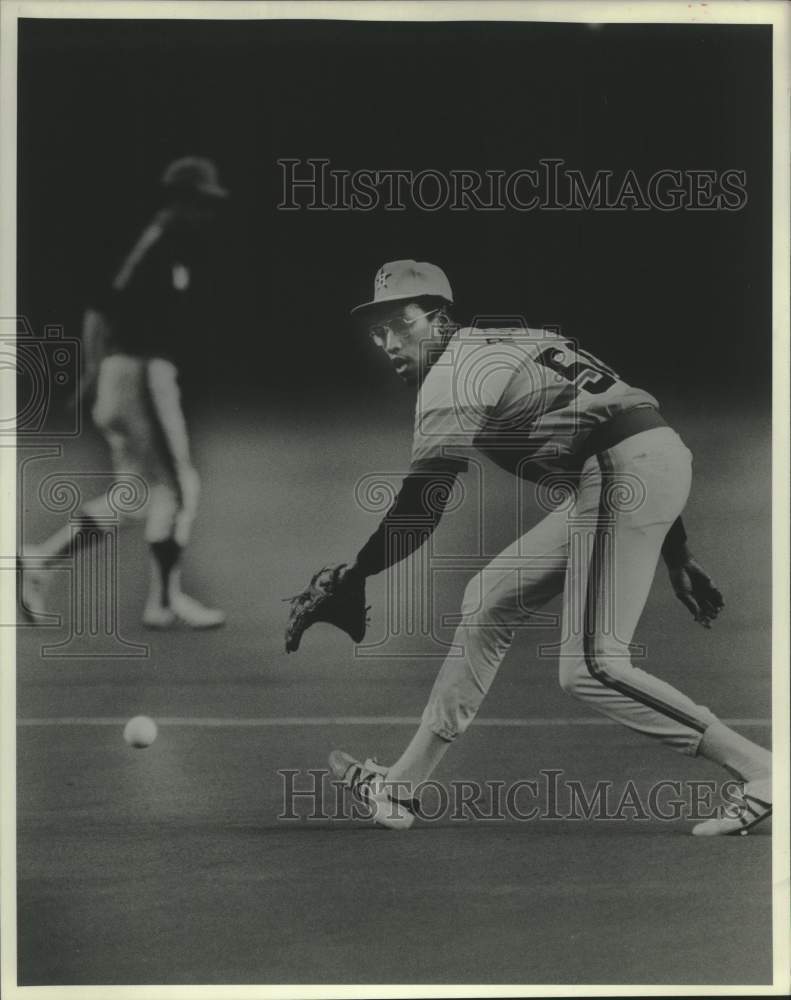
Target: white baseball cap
(407, 279)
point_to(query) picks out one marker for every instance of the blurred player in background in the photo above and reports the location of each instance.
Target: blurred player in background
(544, 409)
(133, 337)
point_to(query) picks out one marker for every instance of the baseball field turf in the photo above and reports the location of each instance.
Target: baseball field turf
(171, 865)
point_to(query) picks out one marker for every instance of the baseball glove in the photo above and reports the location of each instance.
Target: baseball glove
(331, 596)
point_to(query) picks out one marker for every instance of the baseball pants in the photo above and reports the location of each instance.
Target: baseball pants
(138, 410)
(600, 550)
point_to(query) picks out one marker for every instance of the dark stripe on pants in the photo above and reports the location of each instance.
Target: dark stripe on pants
(596, 669)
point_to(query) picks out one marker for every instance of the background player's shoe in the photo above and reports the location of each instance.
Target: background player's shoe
(33, 582)
(182, 610)
(367, 783)
(753, 807)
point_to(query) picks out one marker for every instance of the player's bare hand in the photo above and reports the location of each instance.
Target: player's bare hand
(694, 588)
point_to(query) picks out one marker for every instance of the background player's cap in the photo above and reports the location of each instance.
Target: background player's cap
(193, 175)
(407, 279)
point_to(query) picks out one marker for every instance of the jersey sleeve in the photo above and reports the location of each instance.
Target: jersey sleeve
(411, 520)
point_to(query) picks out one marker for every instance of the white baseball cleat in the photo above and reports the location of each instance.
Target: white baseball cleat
(367, 783)
(33, 582)
(752, 808)
(182, 610)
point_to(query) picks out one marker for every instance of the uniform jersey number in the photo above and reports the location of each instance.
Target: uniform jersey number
(588, 374)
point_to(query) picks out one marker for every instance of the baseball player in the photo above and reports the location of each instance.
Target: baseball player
(131, 344)
(541, 407)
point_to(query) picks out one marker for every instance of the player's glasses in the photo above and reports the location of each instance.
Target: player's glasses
(378, 332)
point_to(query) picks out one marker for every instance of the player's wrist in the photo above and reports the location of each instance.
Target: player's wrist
(676, 556)
(353, 572)
(676, 563)
(674, 548)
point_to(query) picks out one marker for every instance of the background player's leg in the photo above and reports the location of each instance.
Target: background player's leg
(86, 528)
(173, 506)
(171, 509)
(167, 532)
(521, 579)
(115, 416)
(615, 548)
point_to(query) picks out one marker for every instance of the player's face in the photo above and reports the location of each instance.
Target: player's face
(403, 333)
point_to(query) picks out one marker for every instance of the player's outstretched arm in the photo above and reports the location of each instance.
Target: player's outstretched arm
(336, 594)
(691, 584)
(414, 515)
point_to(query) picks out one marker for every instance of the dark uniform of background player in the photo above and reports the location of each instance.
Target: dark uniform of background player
(134, 333)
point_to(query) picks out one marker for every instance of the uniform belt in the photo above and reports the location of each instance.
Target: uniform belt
(644, 417)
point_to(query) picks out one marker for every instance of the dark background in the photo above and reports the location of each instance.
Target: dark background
(678, 301)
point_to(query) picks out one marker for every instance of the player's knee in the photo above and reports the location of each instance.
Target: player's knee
(189, 490)
(99, 510)
(162, 374)
(573, 676)
(583, 676)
